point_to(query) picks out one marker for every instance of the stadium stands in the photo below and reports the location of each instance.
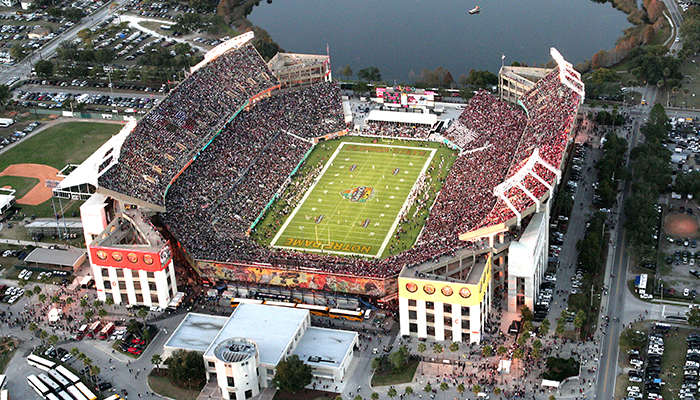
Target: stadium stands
(214, 202)
(171, 134)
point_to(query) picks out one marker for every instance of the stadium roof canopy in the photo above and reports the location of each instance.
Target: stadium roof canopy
(55, 257)
(6, 201)
(402, 117)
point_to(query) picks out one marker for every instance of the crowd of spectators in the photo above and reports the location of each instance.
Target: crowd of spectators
(219, 197)
(215, 201)
(397, 130)
(171, 134)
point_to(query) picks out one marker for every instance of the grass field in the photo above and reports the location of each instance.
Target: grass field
(66, 143)
(57, 146)
(21, 185)
(354, 206)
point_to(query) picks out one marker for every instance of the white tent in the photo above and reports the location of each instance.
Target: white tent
(55, 314)
(551, 384)
(504, 366)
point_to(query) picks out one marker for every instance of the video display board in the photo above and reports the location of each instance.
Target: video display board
(405, 97)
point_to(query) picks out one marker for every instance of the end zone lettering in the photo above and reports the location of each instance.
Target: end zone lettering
(316, 244)
(395, 150)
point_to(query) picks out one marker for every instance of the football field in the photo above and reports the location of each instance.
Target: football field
(354, 206)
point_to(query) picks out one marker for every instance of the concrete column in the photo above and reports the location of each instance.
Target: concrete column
(404, 325)
(99, 282)
(475, 323)
(421, 319)
(129, 281)
(439, 321)
(456, 323)
(145, 288)
(114, 288)
(512, 293)
(529, 292)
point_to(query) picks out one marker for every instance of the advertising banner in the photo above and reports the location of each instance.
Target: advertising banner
(131, 259)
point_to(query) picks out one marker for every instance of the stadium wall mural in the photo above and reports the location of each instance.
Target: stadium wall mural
(373, 287)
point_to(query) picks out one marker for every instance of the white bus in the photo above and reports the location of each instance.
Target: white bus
(49, 382)
(77, 394)
(113, 397)
(64, 396)
(38, 387)
(40, 362)
(51, 396)
(67, 374)
(85, 391)
(59, 378)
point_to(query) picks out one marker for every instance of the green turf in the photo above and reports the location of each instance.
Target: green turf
(66, 143)
(354, 206)
(20, 184)
(57, 146)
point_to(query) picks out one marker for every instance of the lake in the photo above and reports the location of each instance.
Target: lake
(402, 37)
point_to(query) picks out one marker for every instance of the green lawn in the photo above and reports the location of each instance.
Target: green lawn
(389, 377)
(66, 143)
(354, 206)
(21, 185)
(161, 384)
(57, 146)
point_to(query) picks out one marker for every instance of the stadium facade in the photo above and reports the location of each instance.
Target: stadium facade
(216, 153)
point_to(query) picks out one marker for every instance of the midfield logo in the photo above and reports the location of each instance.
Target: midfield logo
(359, 194)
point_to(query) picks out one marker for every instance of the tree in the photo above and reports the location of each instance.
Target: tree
(157, 360)
(42, 298)
(36, 289)
(186, 368)
(292, 374)
(487, 351)
(374, 396)
(370, 74)
(346, 72)
(17, 52)
(427, 388)
(437, 349)
(476, 389)
(143, 313)
(43, 335)
(69, 301)
(102, 313)
(408, 391)
(53, 339)
(518, 353)
(399, 358)
(97, 304)
(443, 387)
(88, 314)
(537, 344)
(422, 348)
(376, 364)
(522, 339)
(694, 317)
(552, 397)
(392, 393)
(55, 299)
(527, 313)
(74, 352)
(461, 388)
(603, 75)
(109, 301)
(527, 327)
(43, 68)
(481, 78)
(83, 302)
(501, 350)
(536, 353)
(454, 347)
(561, 327)
(94, 370)
(357, 397)
(33, 327)
(543, 330)
(579, 320)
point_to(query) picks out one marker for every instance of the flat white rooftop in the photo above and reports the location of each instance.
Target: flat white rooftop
(196, 332)
(324, 347)
(271, 328)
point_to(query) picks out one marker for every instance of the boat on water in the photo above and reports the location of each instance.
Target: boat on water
(475, 10)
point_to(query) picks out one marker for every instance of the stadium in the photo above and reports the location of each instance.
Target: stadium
(260, 186)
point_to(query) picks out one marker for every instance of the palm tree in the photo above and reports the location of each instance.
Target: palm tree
(43, 335)
(96, 304)
(143, 313)
(476, 389)
(543, 330)
(88, 314)
(437, 349)
(42, 298)
(69, 301)
(81, 357)
(422, 348)
(408, 391)
(501, 350)
(392, 393)
(357, 397)
(36, 290)
(454, 347)
(102, 313)
(74, 352)
(83, 302)
(157, 360)
(94, 371)
(109, 301)
(374, 396)
(487, 351)
(53, 339)
(33, 327)
(461, 389)
(444, 386)
(427, 388)
(55, 299)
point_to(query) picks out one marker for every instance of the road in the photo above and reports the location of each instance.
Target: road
(677, 19)
(24, 68)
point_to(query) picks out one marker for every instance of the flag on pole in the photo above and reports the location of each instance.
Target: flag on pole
(503, 56)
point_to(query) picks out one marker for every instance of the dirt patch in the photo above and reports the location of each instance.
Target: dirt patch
(39, 193)
(681, 225)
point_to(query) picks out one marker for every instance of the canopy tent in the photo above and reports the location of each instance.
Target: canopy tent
(504, 366)
(55, 314)
(402, 117)
(549, 383)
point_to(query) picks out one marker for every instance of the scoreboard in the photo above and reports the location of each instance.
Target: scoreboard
(405, 97)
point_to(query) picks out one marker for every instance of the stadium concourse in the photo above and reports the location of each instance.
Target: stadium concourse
(224, 144)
